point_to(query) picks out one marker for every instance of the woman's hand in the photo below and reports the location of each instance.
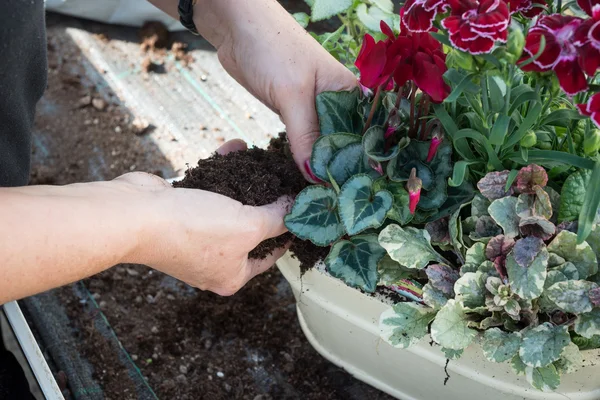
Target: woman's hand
(203, 238)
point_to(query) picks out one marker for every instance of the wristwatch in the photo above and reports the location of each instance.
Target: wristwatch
(186, 15)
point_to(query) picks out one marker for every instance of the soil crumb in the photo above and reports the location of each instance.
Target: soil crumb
(154, 35)
(254, 177)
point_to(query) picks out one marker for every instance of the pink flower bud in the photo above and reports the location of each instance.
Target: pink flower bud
(436, 140)
(389, 131)
(376, 165)
(413, 186)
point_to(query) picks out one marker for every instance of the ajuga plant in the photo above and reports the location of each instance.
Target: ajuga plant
(522, 284)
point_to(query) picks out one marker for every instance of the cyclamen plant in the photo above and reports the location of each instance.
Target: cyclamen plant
(464, 174)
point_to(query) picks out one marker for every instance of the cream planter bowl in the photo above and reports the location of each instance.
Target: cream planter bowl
(342, 324)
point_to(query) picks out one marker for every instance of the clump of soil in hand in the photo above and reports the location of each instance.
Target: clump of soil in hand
(254, 177)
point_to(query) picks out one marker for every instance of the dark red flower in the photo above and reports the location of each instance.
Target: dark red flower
(560, 53)
(474, 26)
(418, 15)
(592, 109)
(423, 61)
(587, 37)
(371, 62)
(527, 8)
(414, 186)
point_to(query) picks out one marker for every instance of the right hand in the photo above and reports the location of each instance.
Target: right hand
(204, 238)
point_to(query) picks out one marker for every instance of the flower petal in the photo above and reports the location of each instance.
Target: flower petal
(430, 78)
(570, 77)
(589, 59)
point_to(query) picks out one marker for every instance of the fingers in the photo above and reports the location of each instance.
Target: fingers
(257, 267)
(232, 146)
(302, 125)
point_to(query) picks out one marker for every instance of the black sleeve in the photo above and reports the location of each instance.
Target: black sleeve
(23, 73)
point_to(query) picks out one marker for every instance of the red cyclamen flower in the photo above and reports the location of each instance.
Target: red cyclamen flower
(413, 186)
(423, 61)
(418, 15)
(592, 109)
(474, 26)
(560, 53)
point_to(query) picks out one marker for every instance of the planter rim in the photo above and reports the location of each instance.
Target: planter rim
(290, 269)
(32, 351)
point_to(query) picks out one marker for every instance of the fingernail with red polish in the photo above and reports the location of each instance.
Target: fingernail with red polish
(308, 170)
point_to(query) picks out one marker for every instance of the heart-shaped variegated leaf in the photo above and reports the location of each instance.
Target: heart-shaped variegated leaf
(337, 112)
(503, 211)
(391, 272)
(355, 261)
(470, 290)
(499, 346)
(409, 246)
(405, 324)
(526, 268)
(450, 327)
(543, 344)
(314, 216)
(400, 212)
(588, 324)
(360, 207)
(350, 160)
(442, 277)
(474, 258)
(375, 147)
(452, 354)
(571, 296)
(324, 149)
(570, 360)
(433, 297)
(581, 255)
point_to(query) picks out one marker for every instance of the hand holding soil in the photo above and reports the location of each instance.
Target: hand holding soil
(204, 238)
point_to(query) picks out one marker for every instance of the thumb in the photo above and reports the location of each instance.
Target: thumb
(271, 217)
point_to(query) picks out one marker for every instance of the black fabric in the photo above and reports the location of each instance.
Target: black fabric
(23, 73)
(186, 15)
(13, 384)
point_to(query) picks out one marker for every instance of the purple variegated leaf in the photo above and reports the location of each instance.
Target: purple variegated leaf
(594, 295)
(529, 177)
(527, 249)
(493, 185)
(498, 246)
(442, 277)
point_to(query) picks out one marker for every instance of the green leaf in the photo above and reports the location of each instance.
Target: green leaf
(349, 161)
(589, 209)
(409, 246)
(552, 158)
(405, 324)
(562, 117)
(503, 211)
(372, 16)
(360, 207)
(374, 144)
(452, 354)
(567, 269)
(442, 278)
(484, 142)
(518, 366)
(572, 195)
(479, 206)
(470, 290)
(355, 261)
(570, 360)
(465, 83)
(545, 379)
(547, 305)
(585, 343)
(474, 258)
(324, 149)
(531, 118)
(499, 130)
(302, 18)
(581, 255)
(537, 226)
(456, 198)
(385, 5)
(449, 328)
(527, 280)
(391, 273)
(337, 110)
(325, 9)
(499, 346)
(588, 324)
(433, 297)
(571, 296)
(543, 344)
(314, 217)
(459, 172)
(523, 98)
(400, 212)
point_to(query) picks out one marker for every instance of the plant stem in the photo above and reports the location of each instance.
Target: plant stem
(425, 103)
(373, 108)
(484, 96)
(399, 96)
(413, 92)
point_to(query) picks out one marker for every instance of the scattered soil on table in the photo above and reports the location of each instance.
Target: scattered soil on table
(155, 41)
(197, 345)
(254, 177)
